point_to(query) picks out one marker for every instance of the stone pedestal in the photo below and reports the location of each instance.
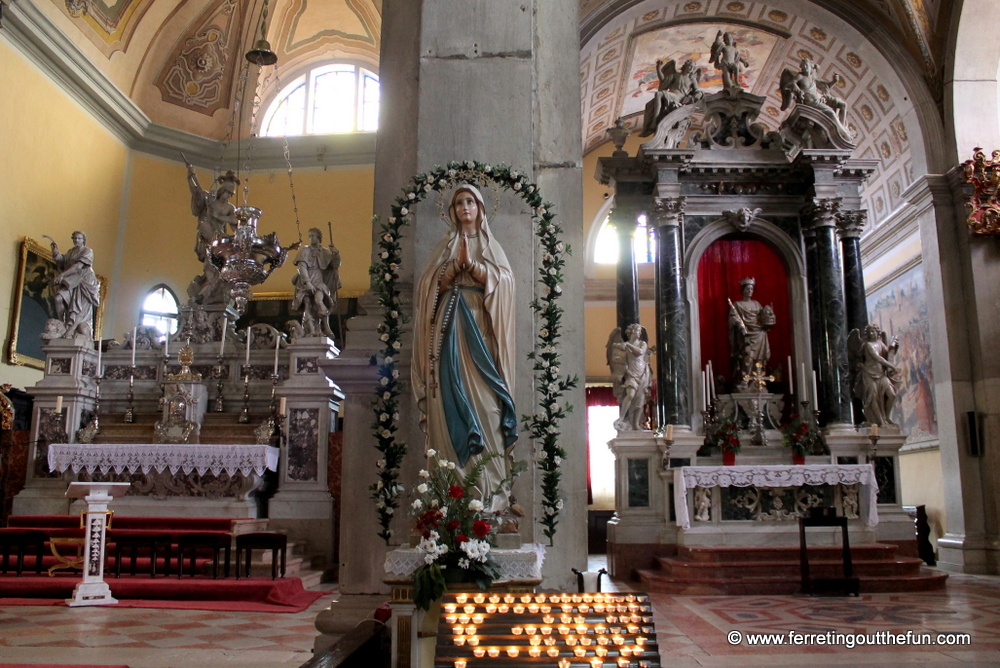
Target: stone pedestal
(302, 505)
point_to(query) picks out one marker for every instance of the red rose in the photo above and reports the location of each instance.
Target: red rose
(481, 528)
(461, 538)
(456, 492)
(454, 524)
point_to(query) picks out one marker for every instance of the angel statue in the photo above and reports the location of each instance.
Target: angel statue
(675, 90)
(316, 283)
(806, 88)
(629, 362)
(214, 211)
(726, 57)
(876, 378)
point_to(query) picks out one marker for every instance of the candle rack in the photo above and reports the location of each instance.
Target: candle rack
(219, 401)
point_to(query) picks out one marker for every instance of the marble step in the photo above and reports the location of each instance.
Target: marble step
(818, 567)
(765, 554)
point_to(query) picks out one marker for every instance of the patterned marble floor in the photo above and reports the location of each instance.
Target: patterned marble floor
(692, 631)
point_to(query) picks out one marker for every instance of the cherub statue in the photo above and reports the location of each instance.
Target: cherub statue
(876, 377)
(629, 362)
(726, 57)
(806, 88)
(675, 90)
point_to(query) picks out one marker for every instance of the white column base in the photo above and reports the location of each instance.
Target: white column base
(91, 593)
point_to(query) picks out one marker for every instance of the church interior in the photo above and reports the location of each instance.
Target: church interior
(614, 296)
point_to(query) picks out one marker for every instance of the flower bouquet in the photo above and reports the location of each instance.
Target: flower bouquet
(803, 437)
(456, 536)
(726, 437)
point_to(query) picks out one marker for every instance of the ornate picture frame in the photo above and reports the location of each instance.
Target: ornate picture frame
(33, 305)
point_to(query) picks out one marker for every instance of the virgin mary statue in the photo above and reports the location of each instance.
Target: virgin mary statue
(463, 349)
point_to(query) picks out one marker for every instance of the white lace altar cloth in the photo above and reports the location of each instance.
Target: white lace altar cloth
(522, 564)
(689, 477)
(159, 457)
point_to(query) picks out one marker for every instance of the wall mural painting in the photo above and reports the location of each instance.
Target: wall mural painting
(690, 41)
(900, 309)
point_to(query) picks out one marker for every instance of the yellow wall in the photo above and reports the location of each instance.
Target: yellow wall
(599, 320)
(61, 171)
(160, 221)
(921, 483)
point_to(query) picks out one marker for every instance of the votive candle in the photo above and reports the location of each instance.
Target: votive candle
(602, 640)
(512, 652)
(509, 598)
(564, 663)
(526, 598)
(479, 652)
(460, 663)
(450, 607)
(549, 640)
(587, 598)
(459, 640)
(552, 651)
(503, 608)
(585, 641)
(494, 598)
(458, 630)
(535, 651)
(533, 609)
(549, 619)
(584, 608)
(530, 630)
(596, 662)
(563, 630)
(637, 650)
(535, 640)
(571, 641)
(623, 662)
(580, 651)
(470, 630)
(518, 609)
(618, 640)
(461, 598)
(540, 598)
(641, 640)
(464, 619)
(479, 598)
(472, 640)
(477, 619)
(469, 609)
(494, 652)
(546, 609)
(516, 630)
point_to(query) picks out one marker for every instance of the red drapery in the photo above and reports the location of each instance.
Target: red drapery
(596, 396)
(720, 270)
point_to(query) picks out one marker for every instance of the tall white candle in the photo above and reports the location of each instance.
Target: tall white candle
(802, 381)
(222, 339)
(874, 430)
(166, 344)
(277, 342)
(711, 381)
(704, 386)
(791, 384)
(670, 432)
(815, 392)
(59, 404)
(135, 330)
(246, 360)
(281, 406)
(98, 372)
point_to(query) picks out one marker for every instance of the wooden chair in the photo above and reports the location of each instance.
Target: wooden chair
(191, 543)
(18, 540)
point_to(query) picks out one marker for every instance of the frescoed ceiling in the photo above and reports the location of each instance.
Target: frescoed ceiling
(179, 60)
(618, 71)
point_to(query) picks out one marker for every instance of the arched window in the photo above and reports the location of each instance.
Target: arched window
(606, 249)
(159, 309)
(325, 100)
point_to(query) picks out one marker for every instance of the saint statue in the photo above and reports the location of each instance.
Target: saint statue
(214, 211)
(76, 288)
(316, 283)
(675, 90)
(629, 362)
(463, 347)
(806, 88)
(876, 377)
(726, 57)
(748, 325)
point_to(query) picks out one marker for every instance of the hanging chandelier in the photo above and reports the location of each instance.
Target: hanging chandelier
(243, 258)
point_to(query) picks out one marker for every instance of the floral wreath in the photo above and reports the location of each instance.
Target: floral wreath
(543, 425)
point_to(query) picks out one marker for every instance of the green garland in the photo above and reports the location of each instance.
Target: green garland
(543, 425)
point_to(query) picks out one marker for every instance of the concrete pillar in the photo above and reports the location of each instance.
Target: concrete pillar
(624, 217)
(851, 225)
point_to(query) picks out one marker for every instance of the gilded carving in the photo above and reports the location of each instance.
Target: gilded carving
(983, 202)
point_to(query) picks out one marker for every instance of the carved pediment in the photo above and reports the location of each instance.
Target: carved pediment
(810, 128)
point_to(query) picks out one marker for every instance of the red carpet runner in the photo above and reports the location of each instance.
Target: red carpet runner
(253, 595)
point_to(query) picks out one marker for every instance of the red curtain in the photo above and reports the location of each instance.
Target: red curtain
(596, 396)
(720, 270)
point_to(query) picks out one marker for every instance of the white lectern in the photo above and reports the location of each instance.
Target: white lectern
(94, 590)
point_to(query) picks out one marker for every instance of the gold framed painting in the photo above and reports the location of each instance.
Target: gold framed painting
(34, 303)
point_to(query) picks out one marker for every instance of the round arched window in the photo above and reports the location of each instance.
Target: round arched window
(327, 99)
(159, 309)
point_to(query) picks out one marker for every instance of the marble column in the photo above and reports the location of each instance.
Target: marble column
(829, 336)
(851, 225)
(624, 217)
(672, 359)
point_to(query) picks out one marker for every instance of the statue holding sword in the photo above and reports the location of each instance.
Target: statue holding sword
(748, 326)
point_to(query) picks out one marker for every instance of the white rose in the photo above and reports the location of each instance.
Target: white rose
(517, 186)
(386, 433)
(383, 417)
(387, 277)
(514, 175)
(531, 189)
(384, 255)
(442, 182)
(404, 211)
(388, 359)
(488, 169)
(397, 345)
(432, 452)
(452, 172)
(422, 488)
(410, 196)
(384, 381)
(557, 289)
(470, 164)
(559, 504)
(384, 337)
(476, 506)
(427, 187)
(424, 473)
(417, 504)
